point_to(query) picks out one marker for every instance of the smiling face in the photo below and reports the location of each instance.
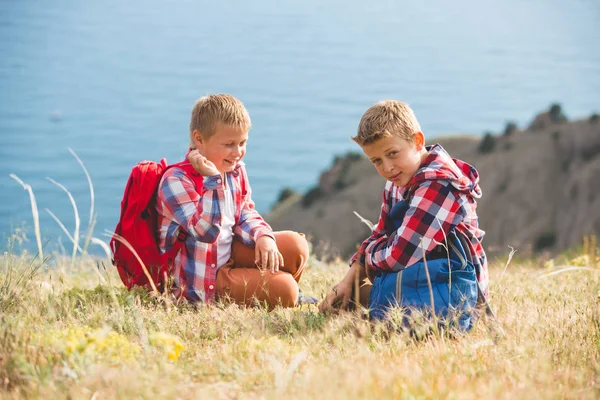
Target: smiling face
(225, 147)
(396, 159)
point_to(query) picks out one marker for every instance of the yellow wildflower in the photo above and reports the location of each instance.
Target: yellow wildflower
(100, 343)
(170, 344)
(581, 261)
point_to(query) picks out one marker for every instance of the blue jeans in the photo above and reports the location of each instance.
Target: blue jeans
(453, 286)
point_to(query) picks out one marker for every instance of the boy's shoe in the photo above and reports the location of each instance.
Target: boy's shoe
(306, 299)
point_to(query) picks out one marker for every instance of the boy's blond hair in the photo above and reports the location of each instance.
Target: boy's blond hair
(218, 108)
(387, 118)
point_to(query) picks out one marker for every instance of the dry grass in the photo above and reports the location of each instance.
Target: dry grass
(69, 329)
(71, 332)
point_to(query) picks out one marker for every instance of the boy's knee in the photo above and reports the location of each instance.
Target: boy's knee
(292, 243)
(283, 290)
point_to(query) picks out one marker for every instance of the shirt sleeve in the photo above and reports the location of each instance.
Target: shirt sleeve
(251, 224)
(433, 210)
(199, 214)
(377, 232)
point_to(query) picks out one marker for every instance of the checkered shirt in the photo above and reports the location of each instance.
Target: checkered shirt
(188, 201)
(441, 196)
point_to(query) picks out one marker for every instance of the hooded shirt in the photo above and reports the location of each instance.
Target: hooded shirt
(440, 197)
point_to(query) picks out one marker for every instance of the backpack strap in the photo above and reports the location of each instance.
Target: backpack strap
(458, 242)
(190, 172)
(464, 244)
(169, 256)
(481, 300)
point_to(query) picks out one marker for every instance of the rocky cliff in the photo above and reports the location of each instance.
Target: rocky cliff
(541, 189)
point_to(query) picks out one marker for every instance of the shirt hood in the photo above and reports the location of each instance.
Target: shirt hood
(438, 165)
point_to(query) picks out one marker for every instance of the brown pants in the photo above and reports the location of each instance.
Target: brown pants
(243, 282)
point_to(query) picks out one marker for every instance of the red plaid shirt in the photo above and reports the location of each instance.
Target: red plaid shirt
(441, 197)
(188, 201)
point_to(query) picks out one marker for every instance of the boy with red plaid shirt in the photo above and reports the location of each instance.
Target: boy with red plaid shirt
(436, 194)
(229, 251)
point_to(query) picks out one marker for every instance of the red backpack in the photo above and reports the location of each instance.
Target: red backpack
(138, 230)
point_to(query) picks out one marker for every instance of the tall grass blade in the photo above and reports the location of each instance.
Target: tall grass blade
(102, 244)
(92, 218)
(64, 229)
(510, 256)
(366, 221)
(34, 213)
(567, 269)
(77, 221)
(124, 241)
(428, 278)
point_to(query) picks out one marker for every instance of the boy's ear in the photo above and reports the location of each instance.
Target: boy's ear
(197, 138)
(419, 140)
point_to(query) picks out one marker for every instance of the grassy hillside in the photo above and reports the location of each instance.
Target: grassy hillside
(70, 330)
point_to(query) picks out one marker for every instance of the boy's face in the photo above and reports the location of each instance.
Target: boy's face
(225, 148)
(396, 159)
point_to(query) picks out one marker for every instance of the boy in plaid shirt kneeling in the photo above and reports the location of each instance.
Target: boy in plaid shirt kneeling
(428, 220)
(229, 250)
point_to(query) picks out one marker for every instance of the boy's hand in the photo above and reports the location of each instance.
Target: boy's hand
(338, 298)
(266, 254)
(201, 164)
(340, 295)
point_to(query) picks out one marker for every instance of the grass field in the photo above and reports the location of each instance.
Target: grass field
(72, 331)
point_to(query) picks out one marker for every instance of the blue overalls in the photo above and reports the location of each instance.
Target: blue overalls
(454, 284)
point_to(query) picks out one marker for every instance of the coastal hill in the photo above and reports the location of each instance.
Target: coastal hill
(541, 189)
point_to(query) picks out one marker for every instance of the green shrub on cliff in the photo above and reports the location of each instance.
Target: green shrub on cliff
(488, 143)
(557, 114)
(285, 194)
(510, 128)
(311, 196)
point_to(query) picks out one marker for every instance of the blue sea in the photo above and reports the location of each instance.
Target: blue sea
(115, 82)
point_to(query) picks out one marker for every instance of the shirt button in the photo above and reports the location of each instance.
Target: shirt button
(211, 287)
(213, 265)
(218, 181)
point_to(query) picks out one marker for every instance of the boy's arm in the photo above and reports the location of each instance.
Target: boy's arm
(251, 225)
(377, 232)
(433, 211)
(198, 213)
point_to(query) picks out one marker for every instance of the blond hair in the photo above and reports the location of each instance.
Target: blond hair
(387, 118)
(217, 108)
